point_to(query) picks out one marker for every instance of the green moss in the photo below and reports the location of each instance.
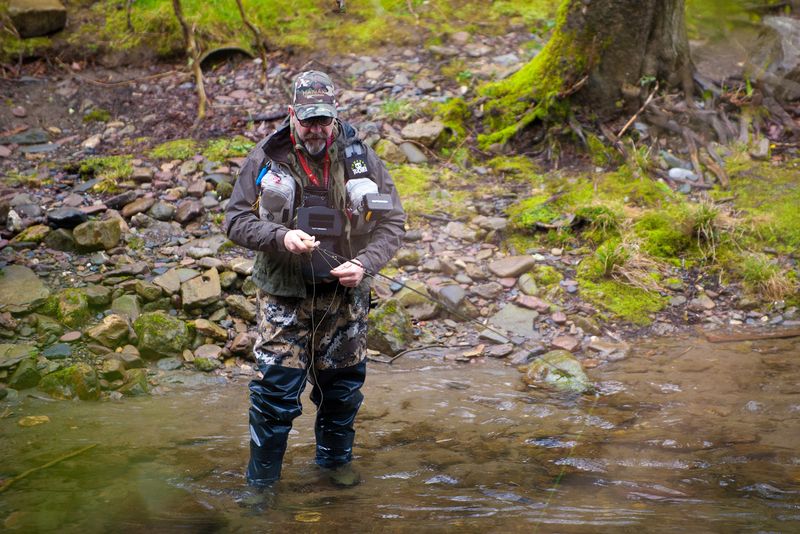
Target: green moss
(624, 301)
(222, 149)
(534, 92)
(526, 214)
(113, 168)
(602, 154)
(517, 167)
(97, 115)
(399, 109)
(455, 114)
(546, 276)
(664, 234)
(422, 190)
(603, 222)
(177, 149)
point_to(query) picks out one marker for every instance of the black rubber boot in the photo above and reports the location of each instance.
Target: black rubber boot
(337, 394)
(274, 403)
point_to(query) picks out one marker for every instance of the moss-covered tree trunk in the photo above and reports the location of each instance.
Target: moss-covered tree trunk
(600, 54)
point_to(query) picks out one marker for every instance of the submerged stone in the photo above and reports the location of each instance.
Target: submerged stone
(557, 369)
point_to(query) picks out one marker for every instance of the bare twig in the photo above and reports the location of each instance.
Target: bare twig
(260, 43)
(193, 51)
(636, 115)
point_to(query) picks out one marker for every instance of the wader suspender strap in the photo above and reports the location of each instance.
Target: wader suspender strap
(326, 166)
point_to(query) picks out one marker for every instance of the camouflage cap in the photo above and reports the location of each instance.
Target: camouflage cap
(313, 95)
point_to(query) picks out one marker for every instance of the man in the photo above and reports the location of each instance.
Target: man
(311, 177)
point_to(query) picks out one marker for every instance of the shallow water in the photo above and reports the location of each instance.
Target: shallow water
(684, 436)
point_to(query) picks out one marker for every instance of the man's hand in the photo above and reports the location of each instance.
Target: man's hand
(350, 273)
(299, 242)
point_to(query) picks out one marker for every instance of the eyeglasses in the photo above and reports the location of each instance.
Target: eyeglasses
(315, 121)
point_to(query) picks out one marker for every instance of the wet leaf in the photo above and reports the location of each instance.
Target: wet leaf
(33, 420)
(308, 517)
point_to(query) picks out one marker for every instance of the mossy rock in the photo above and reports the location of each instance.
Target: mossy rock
(557, 369)
(546, 276)
(32, 234)
(26, 375)
(79, 380)
(73, 307)
(136, 383)
(160, 335)
(207, 364)
(390, 329)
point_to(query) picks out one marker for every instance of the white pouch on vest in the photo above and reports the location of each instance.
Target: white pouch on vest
(277, 197)
(357, 189)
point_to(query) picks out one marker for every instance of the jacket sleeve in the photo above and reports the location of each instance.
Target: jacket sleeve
(242, 224)
(389, 230)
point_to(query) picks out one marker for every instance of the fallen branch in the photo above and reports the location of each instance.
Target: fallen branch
(7, 484)
(715, 337)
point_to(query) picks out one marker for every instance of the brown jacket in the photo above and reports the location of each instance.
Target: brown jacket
(276, 270)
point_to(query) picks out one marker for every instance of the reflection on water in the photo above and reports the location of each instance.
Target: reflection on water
(682, 436)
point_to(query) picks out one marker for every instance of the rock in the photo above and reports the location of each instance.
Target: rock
(170, 364)
(779, 52)
(119, 201)
(98, 235)
(66, 217)
(97, 295)
(34, 18)
(25, 376)
(112, 332)
(557, 369)
(210, 329)
(21, 291)
(148, 291)
(240, 306)
(160, 335)
(426, 133)
(676, 173)
(92, 142)
(559, 318)
(390, 329)
(517, 320)
(610, 350)
(462, 231)
(127, 305)
(412, 299)
(135, 383)
(227, 279)
(389, 151)
(207, 364)
(202, 290)
(162, 211)
(71, 336)
(72, 307)
(407, 256)
(79, 380)
(32, 234)
(61, 239)
(512, 266)
(208, 351)
(12, 354)
(527, 284)
(500, 351)
(533, 303)
(488, 291)
(243, 266)
(701, 303)
(140, 205)
(568, 343)
(58, 351)
(242, 344)
(453, 296)
(112, 369)
(188, 210)
(413, 154)
(170, 281)
(587, 324)
(130, 357)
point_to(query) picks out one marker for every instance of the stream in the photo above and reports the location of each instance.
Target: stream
(683, 435)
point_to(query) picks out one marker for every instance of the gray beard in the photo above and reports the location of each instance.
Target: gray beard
(315, 147)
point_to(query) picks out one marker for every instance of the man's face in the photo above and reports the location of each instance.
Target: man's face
(312, 132)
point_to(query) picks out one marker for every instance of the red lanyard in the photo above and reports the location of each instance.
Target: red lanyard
(326, 165)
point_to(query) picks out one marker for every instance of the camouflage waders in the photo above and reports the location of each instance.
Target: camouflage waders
(334, 318)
